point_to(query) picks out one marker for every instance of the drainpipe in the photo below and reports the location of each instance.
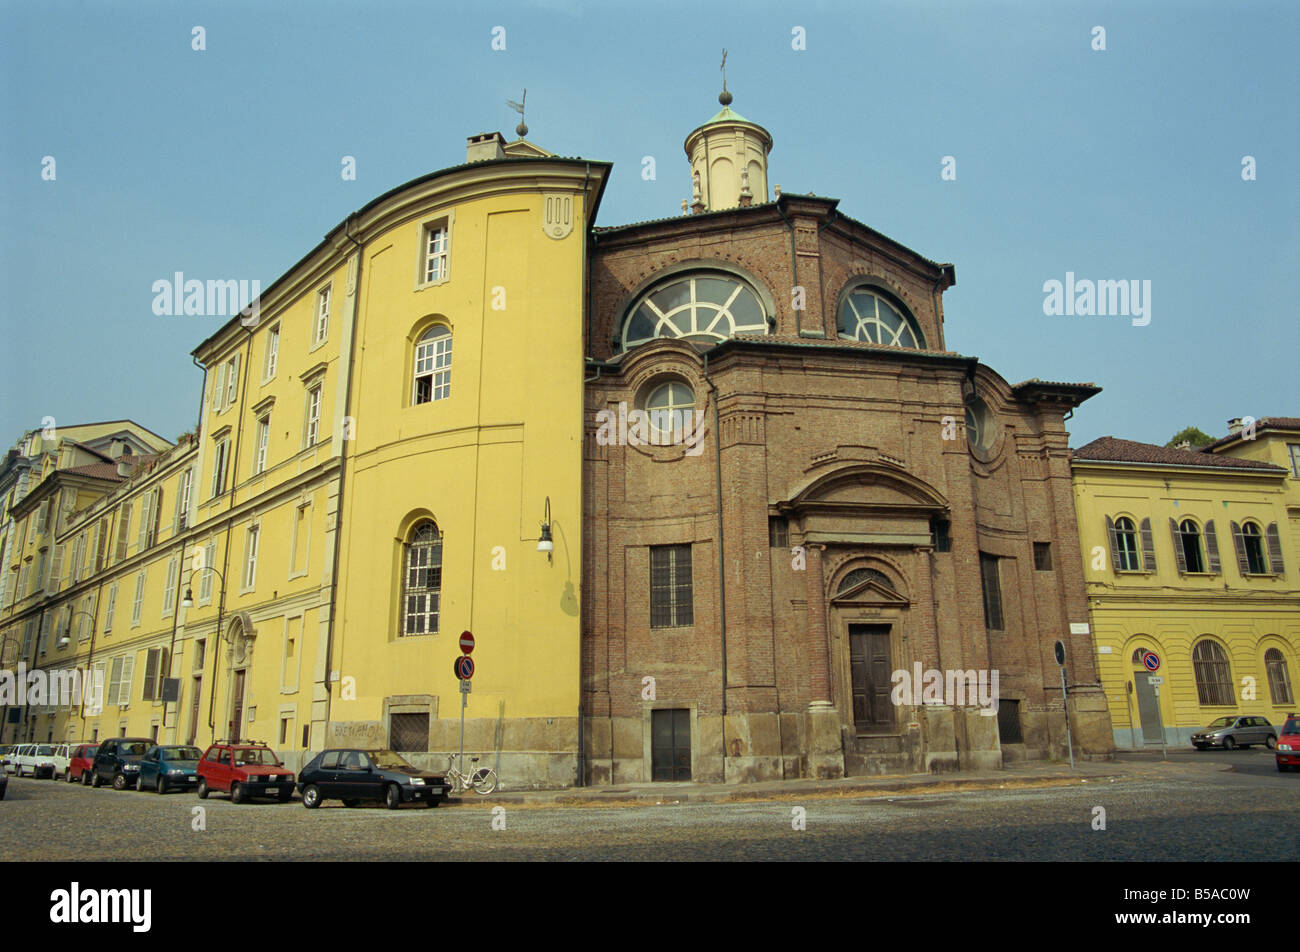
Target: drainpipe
(203, 392)
(722, 568)
(343, 456)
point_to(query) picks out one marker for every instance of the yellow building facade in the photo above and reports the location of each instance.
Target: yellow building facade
(1190, 557)
(299, 570)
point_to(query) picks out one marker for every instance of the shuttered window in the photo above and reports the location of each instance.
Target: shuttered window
(155, 670)
(138, 603)
(671, 590)
(123, 528)
(1279, 678)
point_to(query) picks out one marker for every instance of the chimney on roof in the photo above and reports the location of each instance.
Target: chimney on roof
(116, 449)
(1184, 445)
(125, 465)
(1234, 426)
(484, 146)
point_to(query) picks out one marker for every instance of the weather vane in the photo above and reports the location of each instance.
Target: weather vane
(521, 129)
(724, 97)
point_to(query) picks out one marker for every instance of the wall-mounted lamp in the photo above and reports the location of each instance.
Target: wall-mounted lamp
(545, 544)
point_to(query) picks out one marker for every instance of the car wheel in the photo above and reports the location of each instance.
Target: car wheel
(432, 802)
(96, 780)
(237, 793)
(68, 776)
(85, 778)
(393, 797)
(203, 788)
(1270, 742)
(119, 781)
(161, 785)
(311, 796)
(350, 802)
(1229, 744)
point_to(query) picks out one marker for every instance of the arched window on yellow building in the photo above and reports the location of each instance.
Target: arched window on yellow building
(422, 580)
(1279, 678)
(1213, 674)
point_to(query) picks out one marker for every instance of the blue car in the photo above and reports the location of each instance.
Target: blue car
(169, 767)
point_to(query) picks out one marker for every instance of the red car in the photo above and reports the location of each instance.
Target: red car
(79, 763)
(1288, 744)
(244, 769)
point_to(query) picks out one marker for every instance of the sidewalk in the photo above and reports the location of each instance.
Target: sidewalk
(1038, 773)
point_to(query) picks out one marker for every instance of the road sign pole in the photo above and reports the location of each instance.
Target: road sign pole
(463, 698)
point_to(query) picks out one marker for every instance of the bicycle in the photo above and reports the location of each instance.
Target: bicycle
(482, 780)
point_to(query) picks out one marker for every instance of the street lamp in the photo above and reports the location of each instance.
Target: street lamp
(545, 544)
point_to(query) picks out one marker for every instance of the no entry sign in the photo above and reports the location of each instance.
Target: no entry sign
(466, 642)
(464, 667)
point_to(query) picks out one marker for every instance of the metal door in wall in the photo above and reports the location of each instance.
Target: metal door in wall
(1148, 709)
(670, 744)
(237, 707)
(869, 666)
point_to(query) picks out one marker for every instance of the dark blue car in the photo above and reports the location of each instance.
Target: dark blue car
(169, 767)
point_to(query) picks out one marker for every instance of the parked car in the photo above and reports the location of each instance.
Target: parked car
(34, 759)
(169, 767)
(80, 760)
(1235, 731)
(4, 784)
(118, 762)
(4, 755)
(244, 769)
(62, 756)
(353, 775)
(1288, 744)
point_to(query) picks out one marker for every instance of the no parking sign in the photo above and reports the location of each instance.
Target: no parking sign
(1151, 661)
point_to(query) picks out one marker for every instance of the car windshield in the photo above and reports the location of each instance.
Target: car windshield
(133, 749)
(90, 752)
(1292, 726)
(180, 753)
(255, 757)
(387, 760)
(45, 750)
(1222, 722)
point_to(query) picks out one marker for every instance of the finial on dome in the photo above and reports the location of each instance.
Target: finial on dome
(724, 97)
(521, 130)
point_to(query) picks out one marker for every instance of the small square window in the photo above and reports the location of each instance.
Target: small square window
(1043, 556)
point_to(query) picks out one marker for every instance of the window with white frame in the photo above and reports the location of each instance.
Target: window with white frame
(322, 315)
(232, 380)
(272, 352)
(434, 266)
(263, 441)
(250, 555)
(169, 591)
(422, 588)
(183, 499)
(218, 388)
(433, 365)
(138, 604)
(110, 608)
(56, 570)
(313, 415)
(219, 451)
(205, 577)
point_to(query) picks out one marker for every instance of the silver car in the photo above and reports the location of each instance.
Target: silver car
(1236, 731)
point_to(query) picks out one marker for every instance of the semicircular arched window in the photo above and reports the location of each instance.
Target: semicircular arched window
(869, 316)
(1213, 676)
(703, 307)
(858, 576)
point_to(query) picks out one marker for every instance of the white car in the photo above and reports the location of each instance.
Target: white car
(62, 759)
(34, 759)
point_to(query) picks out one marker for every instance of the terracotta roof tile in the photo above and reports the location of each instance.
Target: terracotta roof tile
(1108, 448)
(1264, 423)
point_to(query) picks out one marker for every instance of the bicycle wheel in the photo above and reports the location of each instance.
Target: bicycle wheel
(484, 781)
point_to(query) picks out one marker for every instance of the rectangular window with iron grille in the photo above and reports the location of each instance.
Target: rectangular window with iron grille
(670, 586)
(778, 532)
(1043, 556)
(408, 732)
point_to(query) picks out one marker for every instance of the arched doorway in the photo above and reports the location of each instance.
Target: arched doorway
(1151, 731)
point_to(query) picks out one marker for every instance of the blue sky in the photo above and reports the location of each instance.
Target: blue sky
(1116, 164)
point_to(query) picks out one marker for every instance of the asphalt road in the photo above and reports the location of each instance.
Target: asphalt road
(1158, 812)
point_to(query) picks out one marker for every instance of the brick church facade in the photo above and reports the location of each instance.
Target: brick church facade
(824, 496)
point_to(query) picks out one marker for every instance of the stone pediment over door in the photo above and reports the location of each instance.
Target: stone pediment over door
(870, 503)
(869, 594)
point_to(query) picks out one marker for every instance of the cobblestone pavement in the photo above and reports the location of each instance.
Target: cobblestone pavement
(1153, 811)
